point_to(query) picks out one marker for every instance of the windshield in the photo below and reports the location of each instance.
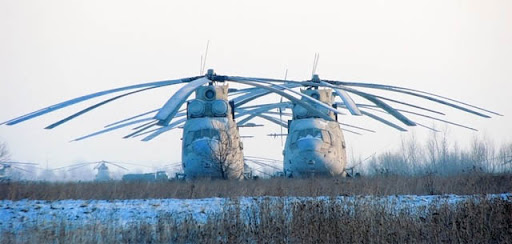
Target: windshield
(203, 133)
(311, 133)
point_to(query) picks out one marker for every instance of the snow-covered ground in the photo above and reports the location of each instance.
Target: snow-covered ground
(17, 216)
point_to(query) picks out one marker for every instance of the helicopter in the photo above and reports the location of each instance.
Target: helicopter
(315, 146)
(6, 166)
(103, 172)
(210, 134)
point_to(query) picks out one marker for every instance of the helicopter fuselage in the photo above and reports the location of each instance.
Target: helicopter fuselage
(211, 146)
(314, 147)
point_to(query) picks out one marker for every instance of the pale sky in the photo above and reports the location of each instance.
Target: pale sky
(51, 51)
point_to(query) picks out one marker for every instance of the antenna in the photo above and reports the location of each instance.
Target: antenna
(201, 66)
(315, 63)
(205, 56)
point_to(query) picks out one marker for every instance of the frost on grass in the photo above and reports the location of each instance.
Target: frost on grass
(17, 216)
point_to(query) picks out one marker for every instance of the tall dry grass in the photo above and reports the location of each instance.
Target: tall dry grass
(464, 184)
(311, 221)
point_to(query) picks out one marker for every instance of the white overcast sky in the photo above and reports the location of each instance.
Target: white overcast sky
(51, 51)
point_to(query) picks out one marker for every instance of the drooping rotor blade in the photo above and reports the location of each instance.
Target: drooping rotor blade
(77, 167)
(22, 169)
(282, 105)
(395, 113)
(345, 97)
(113, 128)
(357, 127)
(413, 92)
(416, 93)
(69, 166)
(93, 95)
(258, 92)
(95, 106)
(428, 127)
(277, 113)
(388, 123)
(133, 117)
(283, 87)
(273, 120)
(260, 109)
(351, 131)
(164, 129)
(14, 162)
(426, 116)
(143, 128)
(171, 107)
(144, 125)
(116, 165)
(365, 95)
(306, 105)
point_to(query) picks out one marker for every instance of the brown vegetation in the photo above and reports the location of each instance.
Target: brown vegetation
(464, 184)
(475, 221)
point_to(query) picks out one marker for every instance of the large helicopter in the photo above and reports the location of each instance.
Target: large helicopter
(210, 134)
(316, 145)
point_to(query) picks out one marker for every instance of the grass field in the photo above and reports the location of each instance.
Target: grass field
(328, 210)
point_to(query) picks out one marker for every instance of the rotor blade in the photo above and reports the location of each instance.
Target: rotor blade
(345, 97)
(293, 99)
(262, 108)
(375, 117)
(258, 92)
(77, 167)
(171, 107)
(357, 127)
(95, 106)
(22, 169)
(282, 105)
(133, 117)
(144, 125)
(417, 93)
(273, 120)
(147, 126)
(351, 131)
(69, 166)
(282, 87)
(118, 166)
(93, 95)
(113, 128)
(164, 129)
(413, 92)
(385, 106)
(14, 162)
(428, 127)
(430, 117)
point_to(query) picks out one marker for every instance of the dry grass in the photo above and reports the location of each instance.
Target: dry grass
(473, 221)
(475, 183)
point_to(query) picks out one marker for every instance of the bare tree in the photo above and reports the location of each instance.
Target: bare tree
(224, 157)
(4, 152)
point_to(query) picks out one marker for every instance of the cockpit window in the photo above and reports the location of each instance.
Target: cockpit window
(307, 133)
(198, 134)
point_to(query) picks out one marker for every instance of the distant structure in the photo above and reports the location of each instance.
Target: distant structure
(159, 176)
(103, 173)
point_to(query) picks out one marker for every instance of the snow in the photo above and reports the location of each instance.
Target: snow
(16, 216)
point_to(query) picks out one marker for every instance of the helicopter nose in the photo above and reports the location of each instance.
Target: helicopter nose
(310, 144)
